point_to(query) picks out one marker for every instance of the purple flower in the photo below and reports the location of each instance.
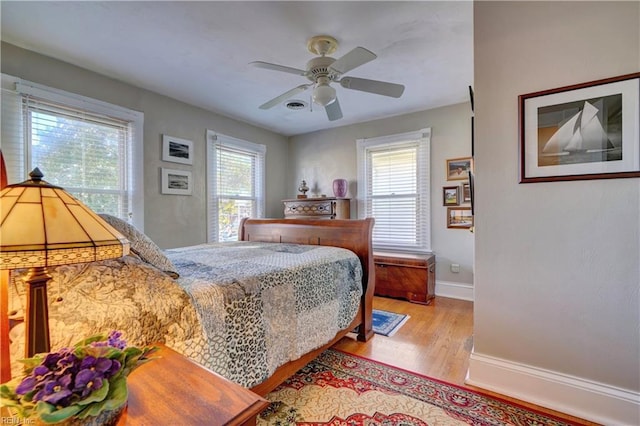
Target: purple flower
(27, 385)
(113, 339)
(99, 365)
(63, 378)
(68, 362)
(87, 381)
(115, 367)
(35, 380)
(55, 391)
(51, 360)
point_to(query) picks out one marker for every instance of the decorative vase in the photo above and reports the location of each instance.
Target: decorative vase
(340, 187)
(303, 188)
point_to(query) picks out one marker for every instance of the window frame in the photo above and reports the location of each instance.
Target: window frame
(213, 140)
(401, 140)
(135, 160)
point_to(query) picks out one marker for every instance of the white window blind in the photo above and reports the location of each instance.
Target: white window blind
(85, 146)
(394, 189)
(236, 184)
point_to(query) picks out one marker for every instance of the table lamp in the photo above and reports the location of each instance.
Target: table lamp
(41, 225)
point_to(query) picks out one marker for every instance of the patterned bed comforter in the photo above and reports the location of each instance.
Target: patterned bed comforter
(241, 309)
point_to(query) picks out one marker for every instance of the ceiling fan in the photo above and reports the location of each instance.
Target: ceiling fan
(323, 70)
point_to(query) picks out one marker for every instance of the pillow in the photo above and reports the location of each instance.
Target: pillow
(142, 246)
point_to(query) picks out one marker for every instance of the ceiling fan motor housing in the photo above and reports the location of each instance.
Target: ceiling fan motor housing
(319, 67)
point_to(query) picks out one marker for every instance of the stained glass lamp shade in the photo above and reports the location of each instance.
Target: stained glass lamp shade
(41, 225)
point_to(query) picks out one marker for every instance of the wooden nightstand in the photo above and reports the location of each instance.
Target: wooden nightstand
(175, 390)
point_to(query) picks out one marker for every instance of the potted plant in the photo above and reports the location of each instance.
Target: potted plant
(83, 385)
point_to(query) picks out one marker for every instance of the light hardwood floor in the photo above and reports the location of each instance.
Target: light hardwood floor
(436, 341)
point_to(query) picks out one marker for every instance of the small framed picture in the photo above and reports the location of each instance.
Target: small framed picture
(466, 192)
(177, 150)
(585, 131)
(457, 168)
(176, 182)
(450, 195)
(459, 217)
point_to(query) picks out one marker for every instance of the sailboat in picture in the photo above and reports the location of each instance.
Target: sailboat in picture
(582, 133)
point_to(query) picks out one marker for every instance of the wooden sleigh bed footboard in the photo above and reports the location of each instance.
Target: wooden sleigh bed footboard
(354, 235)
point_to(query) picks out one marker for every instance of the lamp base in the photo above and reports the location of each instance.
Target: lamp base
(37, 315)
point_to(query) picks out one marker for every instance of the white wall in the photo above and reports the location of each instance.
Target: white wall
(322, 156)
(557, 304)
(170, 220)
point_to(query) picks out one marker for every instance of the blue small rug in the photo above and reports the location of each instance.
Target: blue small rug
(387, 323)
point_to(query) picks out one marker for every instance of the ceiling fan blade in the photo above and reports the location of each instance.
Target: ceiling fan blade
(275, 101)
(276, 67)
(373, 86)
(351, 60)
(334, 112)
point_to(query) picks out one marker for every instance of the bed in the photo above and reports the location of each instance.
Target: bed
(286, 291)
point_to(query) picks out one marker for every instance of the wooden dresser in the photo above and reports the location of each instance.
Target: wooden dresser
(317, 208)
(407, 276)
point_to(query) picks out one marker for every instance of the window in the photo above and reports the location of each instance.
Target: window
(394, 188)
(85, 146)
(235, 175)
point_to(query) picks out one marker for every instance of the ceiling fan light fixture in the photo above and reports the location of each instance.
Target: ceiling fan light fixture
(323, 94)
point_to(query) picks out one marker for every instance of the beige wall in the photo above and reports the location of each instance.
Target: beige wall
(322, 156)
(170, 220)
(557, 278)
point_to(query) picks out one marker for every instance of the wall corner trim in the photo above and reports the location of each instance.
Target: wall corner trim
(572, 395)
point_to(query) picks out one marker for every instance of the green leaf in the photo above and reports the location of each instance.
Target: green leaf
(97, 395)
(48, 413)
(116, 398)
(89, 340)
(31, 363)
(23, 410)
(101, 352)
(8, 389)
(118, 393)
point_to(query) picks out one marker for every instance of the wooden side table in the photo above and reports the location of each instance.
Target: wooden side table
(172, 389)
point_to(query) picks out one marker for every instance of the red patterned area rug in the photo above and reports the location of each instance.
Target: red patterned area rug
(346, 390)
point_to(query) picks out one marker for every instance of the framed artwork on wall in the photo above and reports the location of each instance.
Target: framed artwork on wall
(585, 131)
(450, 195)
(177, 150)
(176, 182)
(466, 191)
(459, 217)
(457, 168)
(471, 189)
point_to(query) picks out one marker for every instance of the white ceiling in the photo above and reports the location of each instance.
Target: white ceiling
(199, 52)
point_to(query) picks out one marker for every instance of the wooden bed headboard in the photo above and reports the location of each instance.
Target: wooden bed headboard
(354, 235)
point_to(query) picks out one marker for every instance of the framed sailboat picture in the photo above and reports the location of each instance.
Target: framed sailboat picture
(585, 131)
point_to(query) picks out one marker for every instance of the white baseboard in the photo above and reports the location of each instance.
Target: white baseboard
(454, 290)
(575, 396)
